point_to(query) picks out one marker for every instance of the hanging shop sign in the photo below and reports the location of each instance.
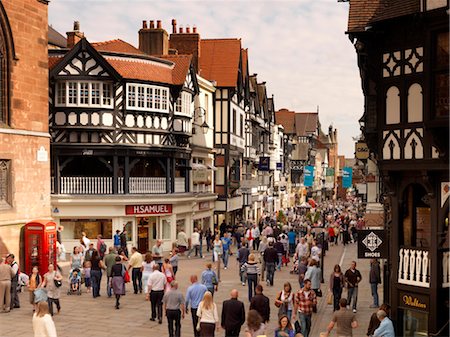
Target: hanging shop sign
(308, 176)
(414, 301)
(361, 151)
(203, 205)
(264, 164)
(372, 244)
(148, 209)
(347, 176)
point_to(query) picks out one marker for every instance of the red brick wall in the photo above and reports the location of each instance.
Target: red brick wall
(29, 113)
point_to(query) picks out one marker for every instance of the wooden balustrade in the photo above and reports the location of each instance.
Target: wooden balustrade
(414, 267)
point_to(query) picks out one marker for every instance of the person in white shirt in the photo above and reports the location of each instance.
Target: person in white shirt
(155, 287)
(302, 249)
(315, 252)
(195, 243)
(255, 234)
(43, 325)
(208, 317)
(85, 240)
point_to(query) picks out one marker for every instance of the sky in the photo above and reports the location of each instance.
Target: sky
(298, 47)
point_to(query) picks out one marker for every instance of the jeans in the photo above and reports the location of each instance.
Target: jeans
(337, 293)
(242, 275)
(50, 304)
(291, 248)
(195, 248)
(108, 286)
(96, 279)
(225, 258)
(374, 288)
(156, 301)
(256, 244)
(270, 267)
(14, 295)
(280, 259)
(305, 323)
(263, 268)
(195, 321)
(352, 293)
(136, 276)
(174, 318)
(252, 282)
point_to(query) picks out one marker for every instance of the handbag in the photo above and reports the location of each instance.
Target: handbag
(283, 310)
(58, 283)
(126, 277)
(277, 304)
(330, 298)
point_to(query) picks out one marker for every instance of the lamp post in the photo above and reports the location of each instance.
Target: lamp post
(200, 112)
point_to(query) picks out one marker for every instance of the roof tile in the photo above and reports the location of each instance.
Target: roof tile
(117, 46)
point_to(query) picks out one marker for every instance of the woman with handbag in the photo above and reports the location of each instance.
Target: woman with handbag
(336, 285)
(285, 301)
(53, 282)
(208, 318)
(251, 268)
(96, 273)
(118, 280)
(43, 325)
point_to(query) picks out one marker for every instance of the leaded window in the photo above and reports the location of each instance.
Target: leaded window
(95, 93)
(146, 97)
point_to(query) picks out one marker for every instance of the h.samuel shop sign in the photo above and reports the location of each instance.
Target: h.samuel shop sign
(148, 209)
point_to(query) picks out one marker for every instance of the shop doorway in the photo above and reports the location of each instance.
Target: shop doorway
(146, 234)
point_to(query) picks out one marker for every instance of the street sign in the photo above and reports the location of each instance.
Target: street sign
(264, 164)
(372, 244)
(361, 150)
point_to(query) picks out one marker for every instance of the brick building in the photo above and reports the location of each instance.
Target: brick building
(24, 138)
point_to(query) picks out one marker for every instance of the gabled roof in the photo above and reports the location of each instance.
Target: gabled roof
(397, 8)
(55, 38)
(302, 124)
(219, 61)
(287, 119)
(117, 46)
(182, 67)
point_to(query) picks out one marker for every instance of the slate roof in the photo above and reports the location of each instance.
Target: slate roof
(117, 46)
(219, 61)
(55, 38)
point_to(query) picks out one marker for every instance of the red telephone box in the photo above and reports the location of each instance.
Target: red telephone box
(40, 245)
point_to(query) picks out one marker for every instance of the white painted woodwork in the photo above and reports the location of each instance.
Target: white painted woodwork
(164, 123)
(156, 122)
(140, 138)
(180, 185)
(84, 118)
(413, 137)
(393, 105)
(147, 185)
(86, 185)
(72, 118)
(386, 147)
(415, 103)
(107, 119)
(60, 118)
(95, 118)
(414, 267)
(129, 120)
(140, 121)
(148, 122)
(225, 127)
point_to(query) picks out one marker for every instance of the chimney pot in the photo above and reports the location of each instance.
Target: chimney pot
(76, 26)
(174, 26)
(188, 29)
(144, 24)
(158, 24)
(152, 24)
(181, 29)
(194, 29)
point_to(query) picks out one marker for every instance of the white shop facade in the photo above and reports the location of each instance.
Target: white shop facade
(145, 219)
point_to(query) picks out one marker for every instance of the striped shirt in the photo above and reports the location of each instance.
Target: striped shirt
(251, 268)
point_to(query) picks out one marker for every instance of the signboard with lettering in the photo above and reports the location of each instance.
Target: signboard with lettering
(347, 176)
(414, 301)
(203, 205)
(361, 151)
(372, 244)
(148, 209)
(308, 176)
(279, 166)
(200, 176)
(264, 164)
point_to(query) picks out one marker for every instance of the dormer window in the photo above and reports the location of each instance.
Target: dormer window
(183, 104)
(84, 94)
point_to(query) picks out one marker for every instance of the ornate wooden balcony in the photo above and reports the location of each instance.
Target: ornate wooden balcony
(414, 267)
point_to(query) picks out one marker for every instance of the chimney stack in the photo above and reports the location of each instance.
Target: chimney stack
(186, 43)
(174, 26)
(154, 41)
(74, 36)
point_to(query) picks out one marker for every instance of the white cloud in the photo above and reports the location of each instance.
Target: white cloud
(298, 47)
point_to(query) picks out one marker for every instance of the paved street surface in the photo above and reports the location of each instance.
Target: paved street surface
(85, 316)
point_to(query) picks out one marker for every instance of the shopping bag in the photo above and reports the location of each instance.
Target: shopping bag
(126, 277)
(330, 299)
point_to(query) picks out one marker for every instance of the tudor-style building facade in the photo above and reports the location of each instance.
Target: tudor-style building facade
(121, 121)
(403, 57)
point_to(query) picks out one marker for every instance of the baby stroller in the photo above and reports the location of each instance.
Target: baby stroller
(74, 282)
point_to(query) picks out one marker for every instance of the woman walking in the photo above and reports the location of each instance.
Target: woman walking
(255, 325)
(208, 318)
(43, 325)
(285, 301)
(174, 260)
(217, 249)
(336, 285)
(251, 268)
(117, 280)
(76, 258)
(167, 270)
(96, 273)
(284, 327)
(146, 269)
(52, 282)
(262, 247)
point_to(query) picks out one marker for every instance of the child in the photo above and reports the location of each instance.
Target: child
(34, 282)
(75, 282)
(87, 275)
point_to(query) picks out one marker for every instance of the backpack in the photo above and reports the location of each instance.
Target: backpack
(103, 247)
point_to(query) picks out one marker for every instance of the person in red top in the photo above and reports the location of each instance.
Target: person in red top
(304, 303)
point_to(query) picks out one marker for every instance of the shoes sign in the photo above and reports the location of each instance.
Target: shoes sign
(372, 244)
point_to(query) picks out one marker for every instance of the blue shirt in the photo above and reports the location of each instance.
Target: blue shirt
(116, 240)
(386, 329)
(207, 278)
(291, 236)
(226, 242)
(194, 294)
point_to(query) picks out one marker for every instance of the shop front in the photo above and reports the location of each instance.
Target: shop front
(413, 313)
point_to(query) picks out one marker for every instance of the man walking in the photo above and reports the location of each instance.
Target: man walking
(117, 241)
(226, 243)
(255, 234)
(242, 257)
(195, 244)
(302, 249)
(157, 253)
(135, 264)
(233, 315)
(14, 281)
(261, 303)
(386, 328)
(173, 302)
(110, 260)
(156, 284)
(352, 278)
(374, 279)
(270, 258)
(304, 303)
(6, 274)
(194, 296)
(345, 320)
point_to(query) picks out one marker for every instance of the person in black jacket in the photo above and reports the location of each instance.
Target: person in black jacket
(270, 258)
(233, 315)
(261, 303)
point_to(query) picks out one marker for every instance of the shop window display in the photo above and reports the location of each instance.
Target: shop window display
(92, 227)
